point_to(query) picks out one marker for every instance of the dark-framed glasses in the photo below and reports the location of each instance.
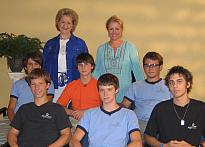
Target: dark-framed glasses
(151, 65)
(82, 64)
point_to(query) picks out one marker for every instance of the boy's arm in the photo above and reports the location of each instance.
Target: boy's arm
(69, 111)
(77, 114)
(64, 100)
(77, 136)
(156, 143)
(126, 103)
(65, 136)
(11, 107)
(152, 141)
(135, 139)
(12, 137)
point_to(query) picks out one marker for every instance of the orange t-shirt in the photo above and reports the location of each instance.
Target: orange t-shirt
(82, 96)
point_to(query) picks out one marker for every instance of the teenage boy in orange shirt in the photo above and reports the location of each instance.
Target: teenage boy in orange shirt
(83, 93)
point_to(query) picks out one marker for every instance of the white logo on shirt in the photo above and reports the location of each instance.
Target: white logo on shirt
(192, 127)
(47, 116)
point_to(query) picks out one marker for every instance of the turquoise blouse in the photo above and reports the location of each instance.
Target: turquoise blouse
(120, 64)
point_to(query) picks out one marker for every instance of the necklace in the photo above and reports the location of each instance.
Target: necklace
(182, 119)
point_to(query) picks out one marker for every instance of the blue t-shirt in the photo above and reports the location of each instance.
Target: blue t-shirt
(22, 92)
(109, 128)
(146, 95)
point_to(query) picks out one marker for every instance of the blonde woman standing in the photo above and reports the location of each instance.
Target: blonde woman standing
(60, 52)
(118, 56)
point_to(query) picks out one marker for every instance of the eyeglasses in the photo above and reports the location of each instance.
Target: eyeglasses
(151, 65)
(82, 64)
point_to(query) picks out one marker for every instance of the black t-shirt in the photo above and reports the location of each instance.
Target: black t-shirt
(165, 125)
(40, 126)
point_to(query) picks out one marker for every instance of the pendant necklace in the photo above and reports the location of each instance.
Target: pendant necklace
(182, 119)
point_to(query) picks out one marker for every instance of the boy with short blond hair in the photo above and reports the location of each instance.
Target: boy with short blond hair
(40, 123)
(20, 91)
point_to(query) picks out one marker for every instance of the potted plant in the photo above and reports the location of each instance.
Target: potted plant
(15, 47)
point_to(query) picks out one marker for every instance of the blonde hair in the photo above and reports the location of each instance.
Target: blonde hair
(114, 18)
(38, 73)
(68, 12)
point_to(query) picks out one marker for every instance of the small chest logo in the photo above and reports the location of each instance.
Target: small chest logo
(192, 127)
(47, 116)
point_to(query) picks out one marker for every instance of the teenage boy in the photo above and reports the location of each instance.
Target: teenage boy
(147, 93)
(108, 125)
(180, 121)
(82, 93)
(20, 91)
(40, 123)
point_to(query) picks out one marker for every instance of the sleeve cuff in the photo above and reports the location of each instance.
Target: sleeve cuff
(13, 96)
(128, 99)
(133, 130)
(82, 128)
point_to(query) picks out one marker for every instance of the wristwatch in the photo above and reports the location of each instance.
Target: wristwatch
(200, 145)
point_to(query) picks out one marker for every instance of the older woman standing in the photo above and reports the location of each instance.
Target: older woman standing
(118, 57)
(60, 52)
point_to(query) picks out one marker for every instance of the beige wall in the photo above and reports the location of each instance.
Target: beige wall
(174, 28)
(5, 83)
